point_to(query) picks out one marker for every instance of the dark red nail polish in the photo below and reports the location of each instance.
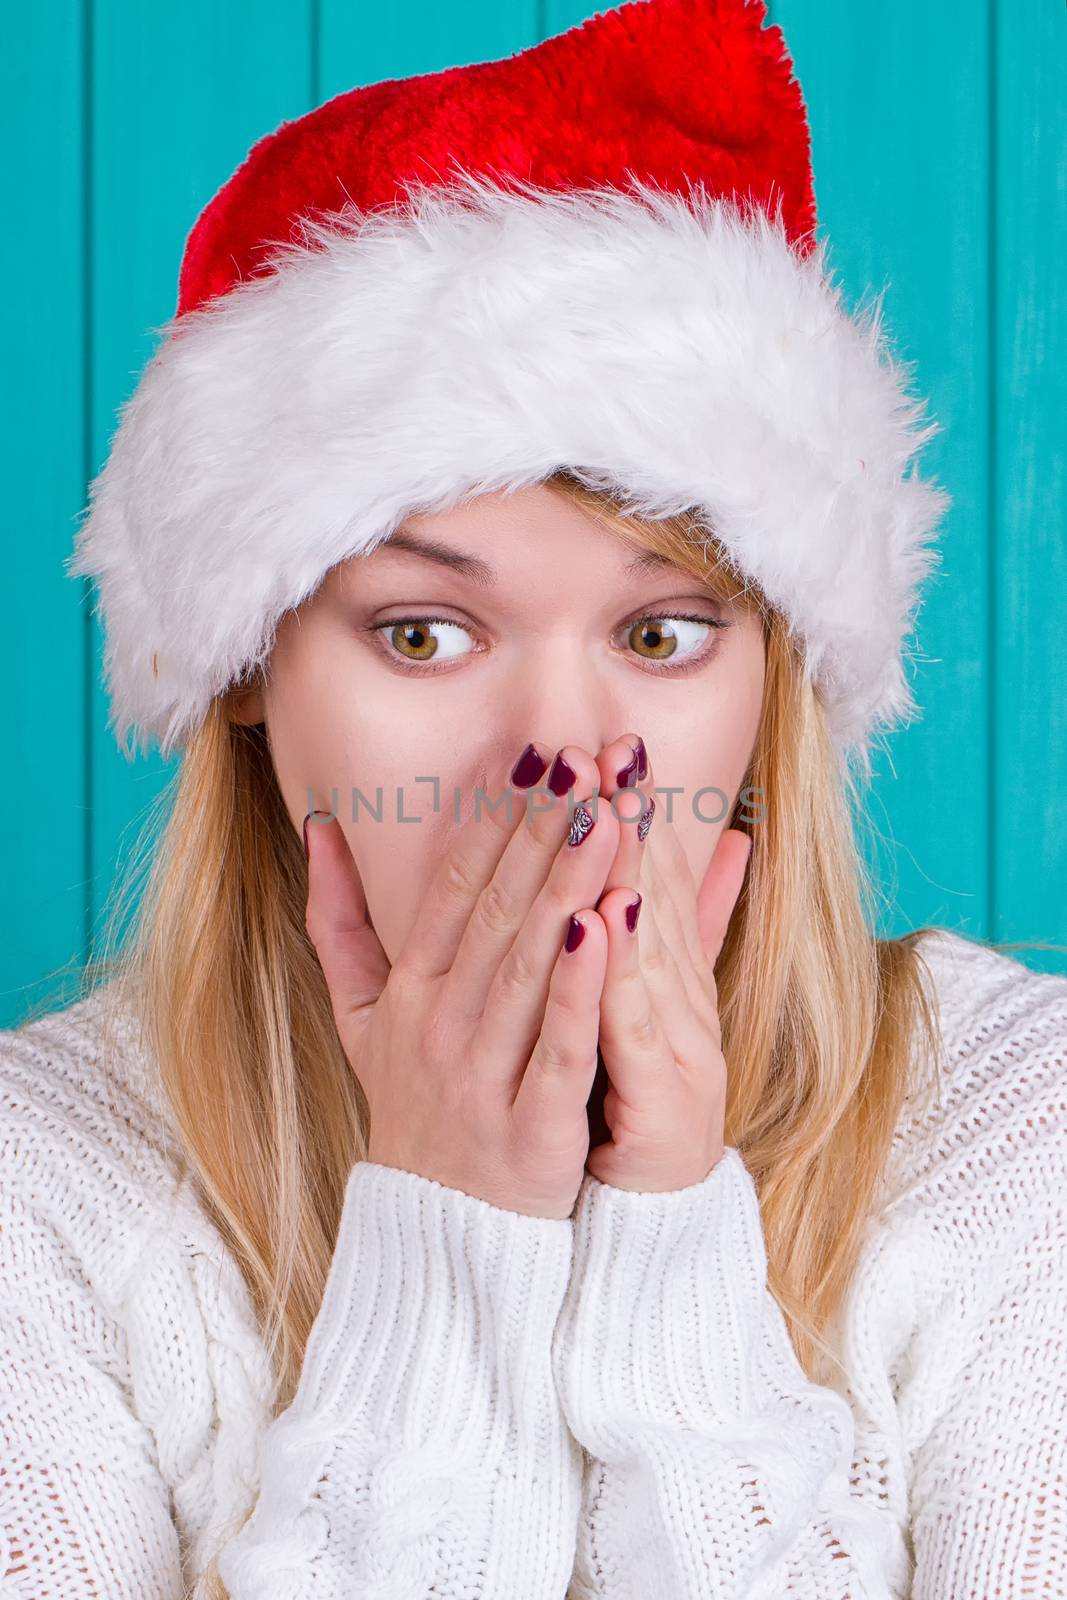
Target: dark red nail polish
(528, 768)
(633, 911)
(627, 776)
(575, 934)
(561, 776)
(306, 857)
(642, 756)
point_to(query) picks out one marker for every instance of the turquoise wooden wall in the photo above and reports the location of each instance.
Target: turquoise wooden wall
(939, 150)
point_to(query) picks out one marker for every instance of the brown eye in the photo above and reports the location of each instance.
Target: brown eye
(678, 643)
(414, 640)
(422, 639)
(654, 636)
(659, 638)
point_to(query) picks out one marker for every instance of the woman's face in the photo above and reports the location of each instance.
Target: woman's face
(538, 643)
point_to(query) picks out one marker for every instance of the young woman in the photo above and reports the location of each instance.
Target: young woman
(503, 1162)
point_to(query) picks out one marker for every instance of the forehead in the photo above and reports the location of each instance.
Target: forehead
(482, 572)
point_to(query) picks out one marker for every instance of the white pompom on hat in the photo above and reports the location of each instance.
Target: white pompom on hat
(596, 254)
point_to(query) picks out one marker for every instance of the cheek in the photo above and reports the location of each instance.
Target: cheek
(701, 812)
(711, 767)
(396, 862)
(348, 734)
(364, 762)
(351, 740)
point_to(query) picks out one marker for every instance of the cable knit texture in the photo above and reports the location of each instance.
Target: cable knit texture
(501, 1407)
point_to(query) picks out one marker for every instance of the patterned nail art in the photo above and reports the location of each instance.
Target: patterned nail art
(581, 824)
(644, 821)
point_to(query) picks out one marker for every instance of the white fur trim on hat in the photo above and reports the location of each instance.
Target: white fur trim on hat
(670, 348)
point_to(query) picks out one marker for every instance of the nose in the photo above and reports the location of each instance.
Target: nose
(561, 695)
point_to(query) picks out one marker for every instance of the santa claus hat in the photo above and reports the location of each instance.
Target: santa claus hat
(597, 253)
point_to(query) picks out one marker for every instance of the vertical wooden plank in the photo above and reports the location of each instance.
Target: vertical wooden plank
(174, 117)
(1029, 488)
(897, 100)
(42, 643)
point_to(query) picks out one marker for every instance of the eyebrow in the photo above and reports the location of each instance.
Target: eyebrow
(482, 573)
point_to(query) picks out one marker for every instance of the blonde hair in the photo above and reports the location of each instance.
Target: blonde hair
(826, 1029)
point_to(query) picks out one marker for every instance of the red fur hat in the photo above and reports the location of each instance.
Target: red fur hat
(598, 253)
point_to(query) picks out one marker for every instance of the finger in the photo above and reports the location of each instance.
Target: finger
(685, 1025)
(721, 889)
(663, 848)
(626, 773)
(553, 863)
(497, 812)
(651, 937)
(626, 783)
(667, 882)
(350, 953)
(636, 1050)
(510, 998)
(558, 1078)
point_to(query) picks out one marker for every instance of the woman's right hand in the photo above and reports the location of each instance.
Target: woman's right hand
(477, 1048)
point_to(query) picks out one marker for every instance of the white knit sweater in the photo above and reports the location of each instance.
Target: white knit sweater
(502, 1407)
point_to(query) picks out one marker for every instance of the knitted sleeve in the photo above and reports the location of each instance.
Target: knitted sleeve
(424, 1451)
(719, 1470)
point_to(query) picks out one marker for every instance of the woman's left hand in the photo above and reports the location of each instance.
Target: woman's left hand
(660, 1042)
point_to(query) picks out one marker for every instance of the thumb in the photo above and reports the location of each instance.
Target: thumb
(350, 953)
(720, 889)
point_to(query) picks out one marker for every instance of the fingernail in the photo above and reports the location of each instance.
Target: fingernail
(581, 824)
(633, 911)
(561, 775)
(642, 755)
(528, 768)
(307, 819)
(575, 934)
(635, 769)
(644, 821)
